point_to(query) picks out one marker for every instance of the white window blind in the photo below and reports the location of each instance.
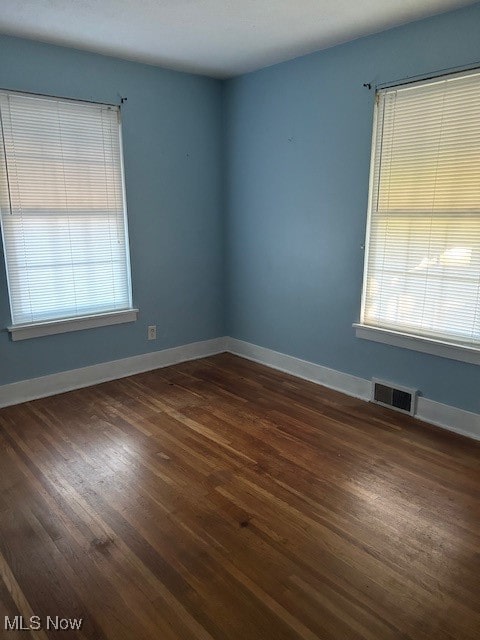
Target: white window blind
(422, 270)
(63, 212)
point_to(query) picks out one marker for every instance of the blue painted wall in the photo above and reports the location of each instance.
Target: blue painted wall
(298, 142)
(172, 138)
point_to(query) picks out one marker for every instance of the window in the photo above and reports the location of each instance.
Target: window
(63, 214)
(422, 265)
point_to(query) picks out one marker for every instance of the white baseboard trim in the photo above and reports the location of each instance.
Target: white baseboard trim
(351, 385)
(442, 415)
(25, 390)
(454, 419)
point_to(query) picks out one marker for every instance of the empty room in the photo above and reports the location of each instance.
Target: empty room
(240, 320)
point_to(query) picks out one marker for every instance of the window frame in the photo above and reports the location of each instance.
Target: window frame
(22, 331)
(452, 349)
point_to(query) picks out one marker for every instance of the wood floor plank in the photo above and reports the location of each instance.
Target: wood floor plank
(222, 500)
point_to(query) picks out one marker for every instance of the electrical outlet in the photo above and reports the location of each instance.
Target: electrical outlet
(152, 332)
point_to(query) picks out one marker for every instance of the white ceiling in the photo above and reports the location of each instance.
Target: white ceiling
(221, 38)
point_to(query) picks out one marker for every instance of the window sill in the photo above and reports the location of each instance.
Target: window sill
(39, 329)
(417, 343)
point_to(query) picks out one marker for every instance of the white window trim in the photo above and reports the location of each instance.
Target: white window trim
(53, 326)
(64, 325)
(464, 353)
(434, 346)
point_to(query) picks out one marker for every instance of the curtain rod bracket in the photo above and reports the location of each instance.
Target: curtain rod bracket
(367, 85)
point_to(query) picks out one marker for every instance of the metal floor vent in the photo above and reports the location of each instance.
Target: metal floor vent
(395, 397)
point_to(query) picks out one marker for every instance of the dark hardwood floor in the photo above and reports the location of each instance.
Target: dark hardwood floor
(221, 499)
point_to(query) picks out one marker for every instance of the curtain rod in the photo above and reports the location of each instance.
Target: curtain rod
(432, 75)
(122, 99)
